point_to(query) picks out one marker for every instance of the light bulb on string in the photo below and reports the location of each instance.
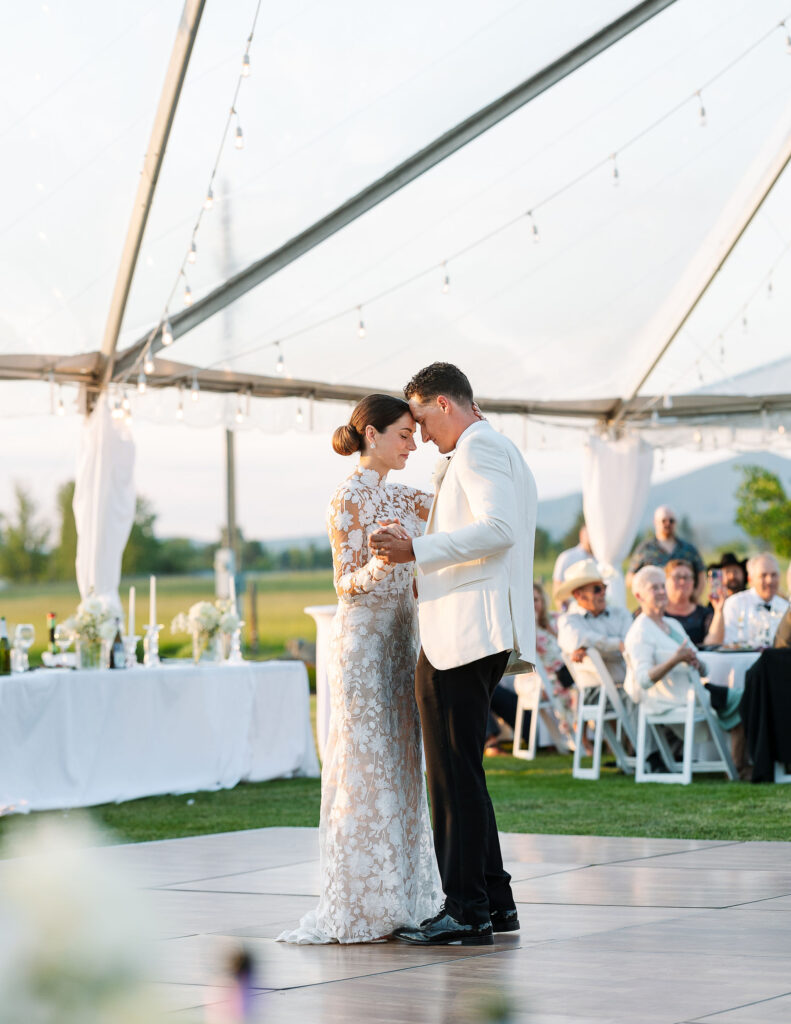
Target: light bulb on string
(239, 414)
(781, 429)
(701, 110)
(60, 408)
(238, 140)
(167, 334)
(299, 416)
(141, 383)
(360, 324)
(126, 405)
(697, 437)
(533, 228)
(445, 279)
(192, 255)
(180, 406)
(769, 288)
(187, 295)
(745, 324)
(148, 363)
(246, 66)
(208, 202)
(195, 388)
(281, 364)
(615, 173)
(117, 412)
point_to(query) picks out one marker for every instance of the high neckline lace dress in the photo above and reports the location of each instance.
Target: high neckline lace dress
(378, 868)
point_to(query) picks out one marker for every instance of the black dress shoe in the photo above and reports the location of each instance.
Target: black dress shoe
(505, 921)
(447, 931)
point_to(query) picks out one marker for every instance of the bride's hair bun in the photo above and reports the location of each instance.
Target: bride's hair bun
(347, 440)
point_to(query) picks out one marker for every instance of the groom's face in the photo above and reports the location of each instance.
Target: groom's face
(434, 420)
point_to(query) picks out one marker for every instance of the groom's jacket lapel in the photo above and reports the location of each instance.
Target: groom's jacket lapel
(437, 477)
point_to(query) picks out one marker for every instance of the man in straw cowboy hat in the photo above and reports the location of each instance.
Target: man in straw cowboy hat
(590, 622)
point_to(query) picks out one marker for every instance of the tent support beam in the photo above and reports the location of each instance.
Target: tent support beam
(407, 171)
(748, 199)
(155, 155)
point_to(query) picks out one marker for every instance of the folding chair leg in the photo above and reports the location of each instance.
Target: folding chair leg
(640, 773)
(533, 740)
(689, 739)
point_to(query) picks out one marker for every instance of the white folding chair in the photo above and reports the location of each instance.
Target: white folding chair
(600, 702)
(537, 696)
(782, 773)
(694, 711)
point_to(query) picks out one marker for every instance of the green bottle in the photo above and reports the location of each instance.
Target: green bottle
(5, 649)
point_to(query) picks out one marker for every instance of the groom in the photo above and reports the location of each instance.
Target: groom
(475, 594)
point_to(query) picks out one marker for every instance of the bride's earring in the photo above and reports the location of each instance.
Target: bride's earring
(373, 444)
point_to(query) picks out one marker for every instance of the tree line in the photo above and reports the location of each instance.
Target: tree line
(33, 550)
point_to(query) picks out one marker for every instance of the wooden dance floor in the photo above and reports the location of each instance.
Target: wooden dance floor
(639, 931)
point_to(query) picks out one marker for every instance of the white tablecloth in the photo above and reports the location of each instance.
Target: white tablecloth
(73, 739)
(728, 668)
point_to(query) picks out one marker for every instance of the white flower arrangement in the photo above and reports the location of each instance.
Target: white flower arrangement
(93, 621)
(207, 619)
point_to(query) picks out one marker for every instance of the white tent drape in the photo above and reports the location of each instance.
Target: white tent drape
(616, 477)
(104, 501)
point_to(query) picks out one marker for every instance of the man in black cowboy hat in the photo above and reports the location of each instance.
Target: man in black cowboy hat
(734, 573)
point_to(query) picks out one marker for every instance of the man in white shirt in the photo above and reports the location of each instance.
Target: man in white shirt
(593, 623)
(763, 575)
(579, 553)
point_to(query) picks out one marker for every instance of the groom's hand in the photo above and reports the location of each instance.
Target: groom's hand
(392, 549)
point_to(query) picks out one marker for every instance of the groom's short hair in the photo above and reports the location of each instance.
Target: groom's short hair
(440, 379)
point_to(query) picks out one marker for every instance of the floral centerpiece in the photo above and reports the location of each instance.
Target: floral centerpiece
(207, 621)
(93, 627)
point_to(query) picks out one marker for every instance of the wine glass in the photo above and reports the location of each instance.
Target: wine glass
(24, 635)
(64, 637)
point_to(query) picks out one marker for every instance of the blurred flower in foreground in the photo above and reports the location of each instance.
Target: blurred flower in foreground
(232, 999)
(73, 943)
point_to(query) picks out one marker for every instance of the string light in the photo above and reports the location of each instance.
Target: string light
(769, 288)
(246, 66)
(208, 202)
(697, 437)
(126, 405)
(195, 388)
(701, 110)
(300, 417)
(60, 409)
(187, 295)
(281, 364)
(445, 279)
(360, 325)
(117, 412)
(167, 334)
(615, 175)
(238, 136)
(745, 325)
(192, 255)
(180, 406)
(141, 383)
(533, 227)
(148, 363)
(781, 429)
(239, 414)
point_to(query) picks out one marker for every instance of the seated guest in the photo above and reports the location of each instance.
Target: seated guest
(664, 546)
(680, 583)
(661, 659)
(734, 573)
(567, 558)
(594, 624)
(763, 575)
(783, 634)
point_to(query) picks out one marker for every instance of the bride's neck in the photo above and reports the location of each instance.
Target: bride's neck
(371, 462)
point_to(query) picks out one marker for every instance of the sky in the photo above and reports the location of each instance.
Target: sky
(338, 94)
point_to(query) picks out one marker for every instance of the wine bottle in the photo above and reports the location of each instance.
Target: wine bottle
(51, 630)
(117, 652)
(5, 649)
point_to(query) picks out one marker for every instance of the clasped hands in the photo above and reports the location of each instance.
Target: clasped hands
(391, 543)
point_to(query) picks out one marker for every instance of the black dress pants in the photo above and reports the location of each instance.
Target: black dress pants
(454, 708)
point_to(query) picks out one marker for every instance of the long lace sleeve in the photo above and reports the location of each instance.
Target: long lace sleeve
(352, 575)
(423, 501)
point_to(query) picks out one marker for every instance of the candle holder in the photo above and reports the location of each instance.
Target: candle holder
(130, 650)
(151, 646)
(235, 656)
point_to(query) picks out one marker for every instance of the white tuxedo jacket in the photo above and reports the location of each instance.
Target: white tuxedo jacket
(475, 560)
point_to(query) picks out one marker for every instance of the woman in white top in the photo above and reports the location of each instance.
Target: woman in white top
(661, 658)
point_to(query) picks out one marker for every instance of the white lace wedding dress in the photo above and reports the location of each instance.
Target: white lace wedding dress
(378, 869)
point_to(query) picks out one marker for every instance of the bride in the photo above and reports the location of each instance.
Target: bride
(378, 868)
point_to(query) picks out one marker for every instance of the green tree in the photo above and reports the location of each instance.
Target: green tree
(142, 549)
(64, 556)
(23, 545)
(571, 537)
(763, 509)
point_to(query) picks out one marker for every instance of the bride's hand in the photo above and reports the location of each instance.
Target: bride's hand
(394, 526)
(476, 409)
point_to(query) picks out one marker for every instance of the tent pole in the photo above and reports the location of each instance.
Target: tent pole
(759, 180)
(155, 154)
(437, 151)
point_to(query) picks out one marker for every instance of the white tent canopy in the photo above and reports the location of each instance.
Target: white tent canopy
(554, 257)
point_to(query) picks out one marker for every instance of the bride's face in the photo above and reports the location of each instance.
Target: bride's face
(394, 444)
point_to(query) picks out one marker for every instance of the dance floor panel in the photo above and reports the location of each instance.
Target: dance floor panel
(614, 931)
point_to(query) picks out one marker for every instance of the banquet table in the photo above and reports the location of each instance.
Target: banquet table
(728, 668)
(78, 738)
